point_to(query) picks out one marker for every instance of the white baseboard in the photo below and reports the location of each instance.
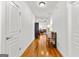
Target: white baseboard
(61, 52)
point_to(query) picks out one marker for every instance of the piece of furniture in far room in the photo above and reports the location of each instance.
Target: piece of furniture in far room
(52, 42)
(53, 39)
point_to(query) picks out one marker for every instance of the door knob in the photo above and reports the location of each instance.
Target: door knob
(7, 38)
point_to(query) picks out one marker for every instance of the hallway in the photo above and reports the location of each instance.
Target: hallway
(34, 50)
(22, 23)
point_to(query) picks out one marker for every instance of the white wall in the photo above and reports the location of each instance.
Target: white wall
(3, 28)
(0, 23)
(60, 25)
(27, 27)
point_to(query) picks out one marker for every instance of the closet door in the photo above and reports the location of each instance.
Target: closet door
(12, 30)
(75, 31)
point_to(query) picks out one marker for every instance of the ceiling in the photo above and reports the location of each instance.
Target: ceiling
(42, 12)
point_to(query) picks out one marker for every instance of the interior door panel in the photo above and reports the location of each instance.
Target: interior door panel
(12, 30)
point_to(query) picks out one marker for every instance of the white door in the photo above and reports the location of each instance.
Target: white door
(75, 31)
(12, 30)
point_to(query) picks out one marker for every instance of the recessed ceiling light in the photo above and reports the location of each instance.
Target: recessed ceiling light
(42, 4)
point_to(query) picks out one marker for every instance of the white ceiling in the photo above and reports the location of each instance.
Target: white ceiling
(42, 12)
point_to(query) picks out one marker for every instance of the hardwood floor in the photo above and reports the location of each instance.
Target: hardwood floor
(35, 50)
